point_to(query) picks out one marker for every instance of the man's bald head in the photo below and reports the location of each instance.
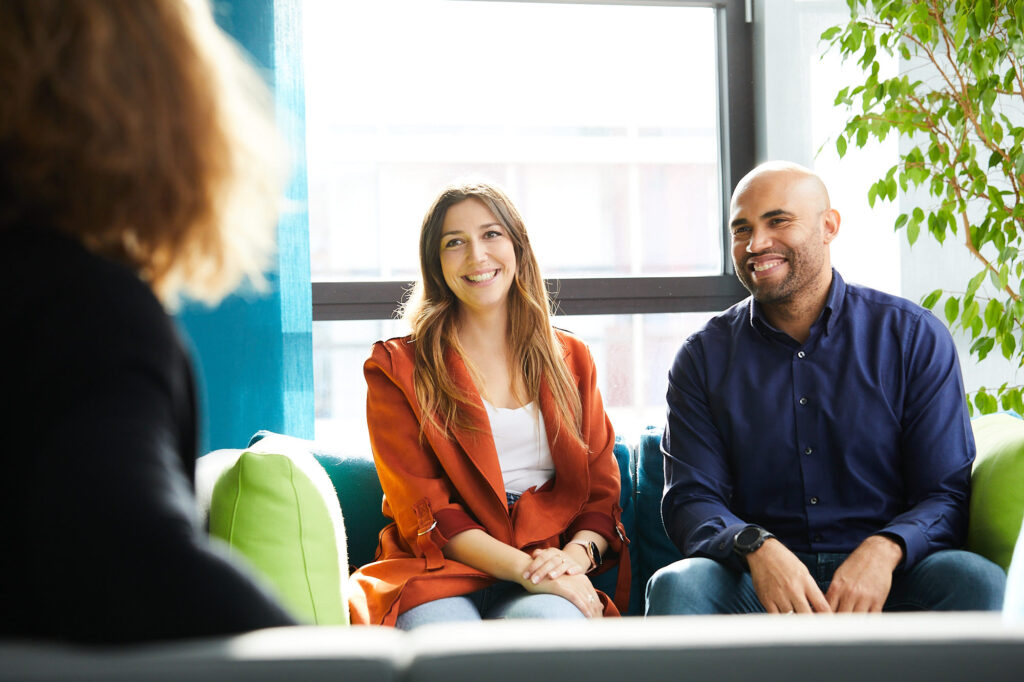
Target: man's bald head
(791, 176)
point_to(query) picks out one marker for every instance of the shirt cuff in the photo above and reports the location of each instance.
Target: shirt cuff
(451, 522)
(598, 523)
(915, 546)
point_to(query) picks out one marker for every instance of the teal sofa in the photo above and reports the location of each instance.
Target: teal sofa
(997, 500)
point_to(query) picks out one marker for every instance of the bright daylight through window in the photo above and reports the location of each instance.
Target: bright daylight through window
(602, 121)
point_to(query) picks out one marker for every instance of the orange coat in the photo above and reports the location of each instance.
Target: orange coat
(439, 488)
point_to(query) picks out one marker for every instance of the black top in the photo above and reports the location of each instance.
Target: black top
(101, 538)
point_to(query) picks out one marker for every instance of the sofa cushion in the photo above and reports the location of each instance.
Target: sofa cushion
(997, 487)
(655, 548)
(623, 456)
(1013, 603)
(358, 490)
(279, 511)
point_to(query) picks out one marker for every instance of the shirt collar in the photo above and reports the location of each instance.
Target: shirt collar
(829, 314)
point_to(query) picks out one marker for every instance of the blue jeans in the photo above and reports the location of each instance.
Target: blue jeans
(501, 600)
(949, 580)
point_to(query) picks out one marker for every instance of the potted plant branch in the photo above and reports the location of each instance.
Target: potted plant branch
(964, 118)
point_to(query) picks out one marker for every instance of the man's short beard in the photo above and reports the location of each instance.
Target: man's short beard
(785, 289)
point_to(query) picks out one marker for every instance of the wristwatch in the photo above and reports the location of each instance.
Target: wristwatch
(592, 551)
(749, 540)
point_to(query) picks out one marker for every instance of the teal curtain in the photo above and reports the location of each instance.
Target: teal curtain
(253, 354)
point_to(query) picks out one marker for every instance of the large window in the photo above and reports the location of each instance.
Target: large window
(617, 128)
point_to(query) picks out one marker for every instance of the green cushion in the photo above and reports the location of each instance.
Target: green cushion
(280, 512)
(997, 487)
(355, 479)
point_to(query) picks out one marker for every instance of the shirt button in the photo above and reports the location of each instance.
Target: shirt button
(818, 538)
(800, 354)
(814, 500)
(803, 401)
(808, 451)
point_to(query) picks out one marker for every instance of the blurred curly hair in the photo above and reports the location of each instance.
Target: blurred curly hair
(139, 129)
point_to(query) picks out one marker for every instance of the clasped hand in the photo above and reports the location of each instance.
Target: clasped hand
(554, 571)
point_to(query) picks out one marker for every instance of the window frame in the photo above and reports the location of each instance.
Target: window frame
(379, 299)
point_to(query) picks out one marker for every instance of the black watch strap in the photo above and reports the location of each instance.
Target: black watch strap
(749, 539)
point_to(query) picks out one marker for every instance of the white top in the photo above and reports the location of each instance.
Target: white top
(522, 445)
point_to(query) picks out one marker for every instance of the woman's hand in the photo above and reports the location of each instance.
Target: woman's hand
(551, 563)
(576, 588)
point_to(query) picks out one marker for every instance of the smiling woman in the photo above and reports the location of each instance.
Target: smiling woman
(477, 257)
(490, 438)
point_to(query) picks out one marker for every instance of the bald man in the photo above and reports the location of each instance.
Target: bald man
(818, 450)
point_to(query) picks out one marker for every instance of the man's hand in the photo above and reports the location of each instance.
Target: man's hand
(861, 583)
(782, 582)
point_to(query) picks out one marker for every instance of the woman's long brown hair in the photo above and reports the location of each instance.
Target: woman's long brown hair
(535, 354)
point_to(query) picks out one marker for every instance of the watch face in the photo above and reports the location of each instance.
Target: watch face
(747, 537)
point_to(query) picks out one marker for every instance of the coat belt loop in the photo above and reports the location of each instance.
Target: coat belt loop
(426, 536)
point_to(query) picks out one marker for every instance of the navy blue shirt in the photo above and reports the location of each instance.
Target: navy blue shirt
(862, 429)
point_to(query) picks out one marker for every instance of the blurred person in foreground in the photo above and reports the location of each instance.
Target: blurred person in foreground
(137, 165)
(818, 450)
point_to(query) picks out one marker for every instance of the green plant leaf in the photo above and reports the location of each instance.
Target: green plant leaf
(993, 312)
(913, 231)
(1018, 311)
(983, 346)
(983, 12)
(972, 286)
(931, 299)
(990, 405)
(1009, 344)
(1016, 403)
(952, 309)
(980, 400)
(841, 146)
(960, 28)
(831, 33)
(970, 314)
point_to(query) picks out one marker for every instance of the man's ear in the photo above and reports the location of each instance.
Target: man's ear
(830, 222)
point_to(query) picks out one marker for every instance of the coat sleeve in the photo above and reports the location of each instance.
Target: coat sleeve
(601, 512)
(417, 493)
